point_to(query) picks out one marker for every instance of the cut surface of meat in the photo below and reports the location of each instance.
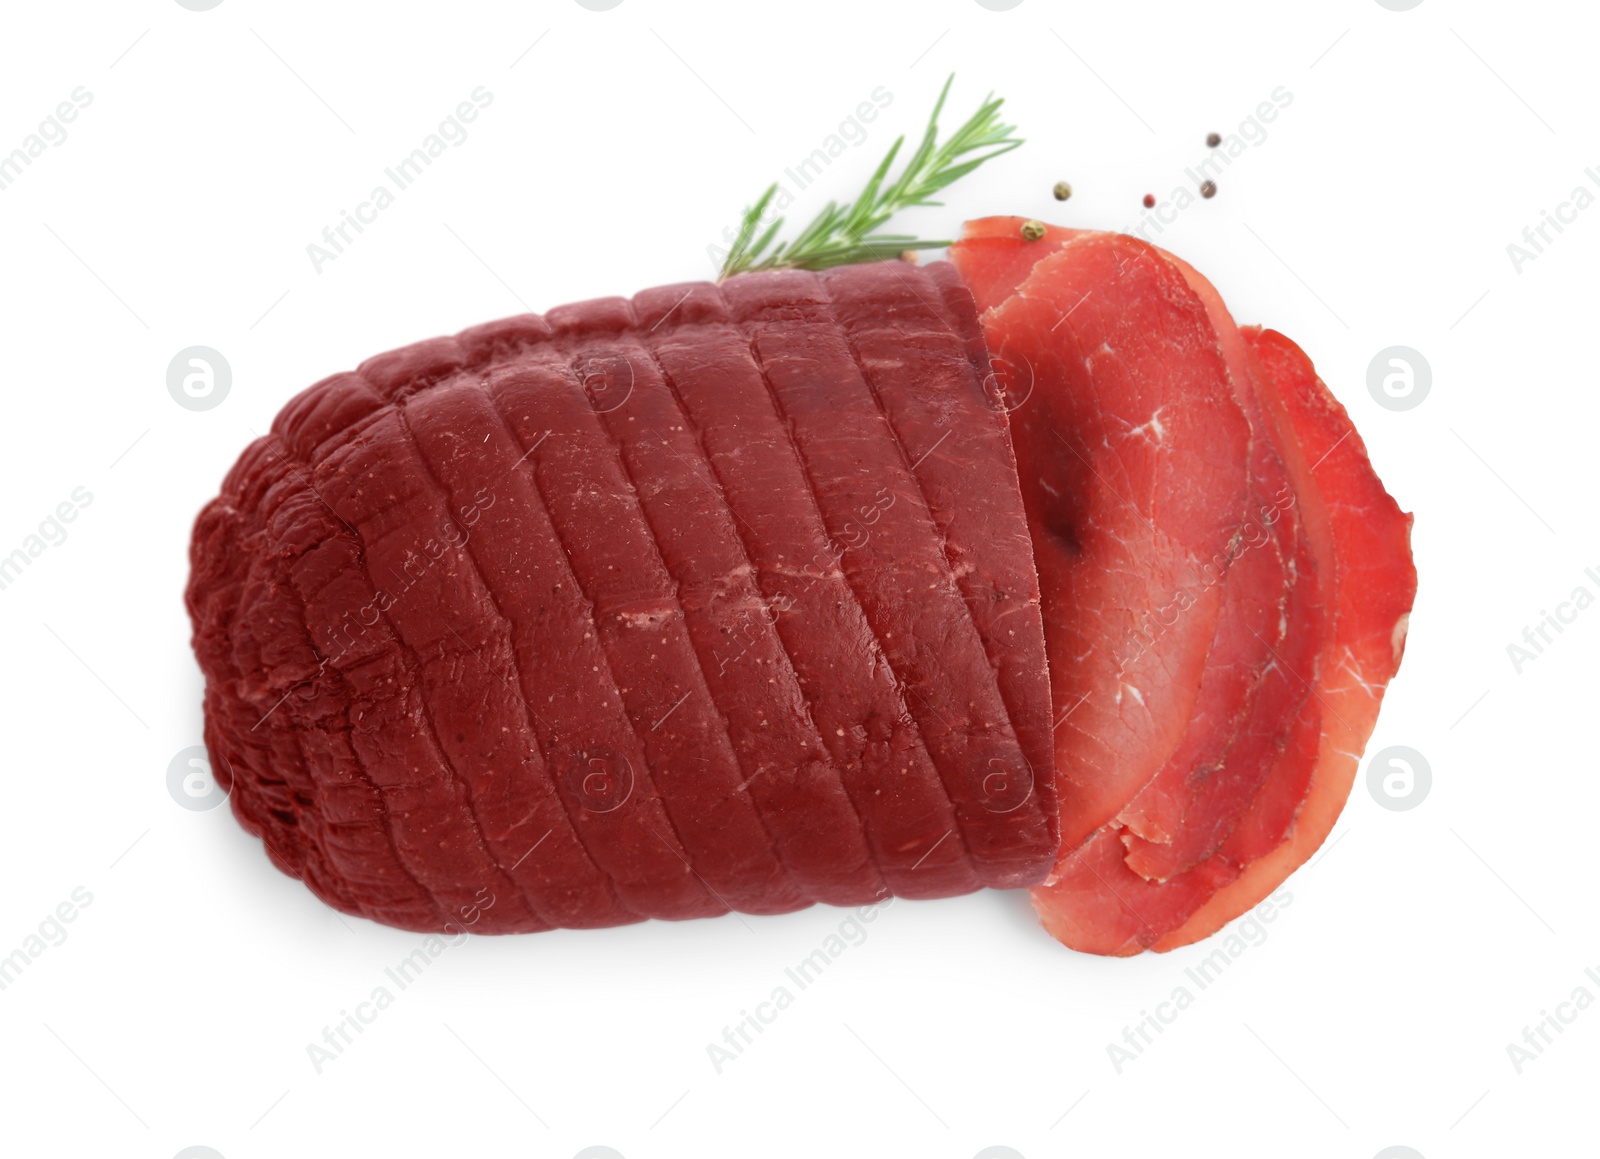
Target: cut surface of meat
(1252, 772)
(1236, 743)
(1133, 456)
(1270, 629)
(719, 598)
(1365, 538)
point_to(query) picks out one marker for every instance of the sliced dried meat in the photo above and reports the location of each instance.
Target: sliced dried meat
(1243, 783)
(1363, 538)
(1133, 456)
(1184, 813)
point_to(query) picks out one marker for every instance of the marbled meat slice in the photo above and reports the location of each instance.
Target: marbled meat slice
(1185, 820)
(1181, 815)
(1133, 456)
(1363, 538)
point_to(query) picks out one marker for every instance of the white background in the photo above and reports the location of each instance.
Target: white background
(1377, 211)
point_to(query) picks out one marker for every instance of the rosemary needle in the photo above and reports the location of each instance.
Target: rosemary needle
(842, 234)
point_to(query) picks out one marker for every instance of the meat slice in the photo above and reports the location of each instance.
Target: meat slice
(1255, 780)
(556, 623)
(1350, 592)
(1239, 719)
(1100, 904)
(1209, 805)
(1122, 894)
(1133, 457)
(1360, 535)
(1217, 795)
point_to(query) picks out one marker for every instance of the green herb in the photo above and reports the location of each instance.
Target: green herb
(842, 234)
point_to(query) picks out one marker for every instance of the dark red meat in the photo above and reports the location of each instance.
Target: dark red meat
(716, 599)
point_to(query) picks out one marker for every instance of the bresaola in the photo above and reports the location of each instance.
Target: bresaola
(735, 633)
(756, 596)
(1312, 592)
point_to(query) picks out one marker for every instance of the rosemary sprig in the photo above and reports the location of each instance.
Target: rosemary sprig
(842, 234)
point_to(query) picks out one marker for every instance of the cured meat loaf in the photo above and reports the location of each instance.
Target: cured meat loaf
(719, 598)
